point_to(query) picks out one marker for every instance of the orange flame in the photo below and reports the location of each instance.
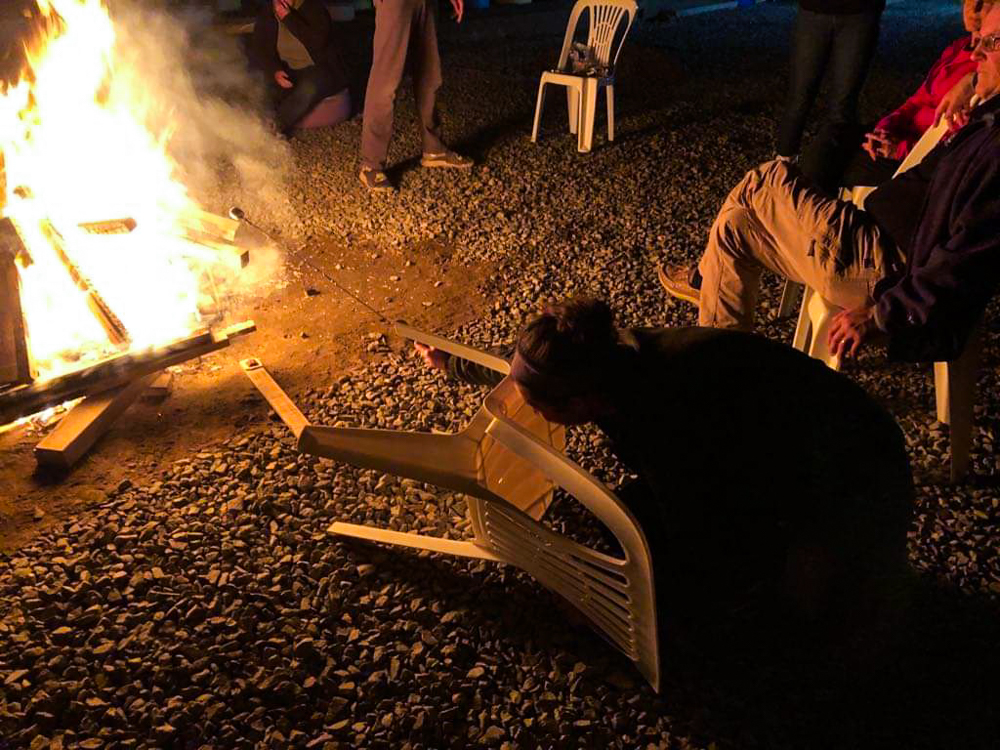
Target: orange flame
(79, 146)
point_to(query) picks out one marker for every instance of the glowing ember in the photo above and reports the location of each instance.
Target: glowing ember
(79, 147)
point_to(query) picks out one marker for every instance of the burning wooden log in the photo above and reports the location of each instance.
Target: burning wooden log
(112, 326)
(233, 255)
(113, 372)
(111, 226)
(15, 356)
(160, 388)
(86, 422)
(221, 227)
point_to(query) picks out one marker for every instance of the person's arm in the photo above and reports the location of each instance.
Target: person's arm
(956, 105)
(458, 368)
(930, 310)
(907, 123)
(311, 25)
(264, 44)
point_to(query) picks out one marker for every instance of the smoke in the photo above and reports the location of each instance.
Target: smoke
(208, 104)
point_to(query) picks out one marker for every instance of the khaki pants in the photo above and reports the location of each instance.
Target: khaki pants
(404, 29)
(773, 219)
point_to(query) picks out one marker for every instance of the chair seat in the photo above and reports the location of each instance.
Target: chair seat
(329, 112)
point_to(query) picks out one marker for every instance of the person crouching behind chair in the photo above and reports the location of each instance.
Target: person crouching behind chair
(293, 44)
(766, 481)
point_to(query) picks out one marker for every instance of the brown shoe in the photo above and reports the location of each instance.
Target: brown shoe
(447, 160)
(677, 280)
(374, 179)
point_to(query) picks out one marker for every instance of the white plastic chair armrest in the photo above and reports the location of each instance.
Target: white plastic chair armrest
(447, 461)
(498, 364)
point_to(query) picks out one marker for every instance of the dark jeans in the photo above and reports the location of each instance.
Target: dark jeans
(835, 158)
(312, 85)
(840, 46)
(863, 170)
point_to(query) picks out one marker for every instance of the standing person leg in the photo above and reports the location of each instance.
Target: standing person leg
(774, 220)
(427, 79)
(854, 41)
(811, 40)
(393, 19)
(426, 66)
(855, 38)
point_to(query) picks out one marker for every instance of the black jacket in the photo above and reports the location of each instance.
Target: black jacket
(742, 444)
(842, 7)
(310, 24)
(953, 259)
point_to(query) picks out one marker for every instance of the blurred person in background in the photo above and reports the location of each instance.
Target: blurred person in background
(405, 38)
(293, 44)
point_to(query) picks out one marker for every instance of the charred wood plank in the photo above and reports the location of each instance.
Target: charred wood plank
(15, 355)
(113, 372)
(113, 327)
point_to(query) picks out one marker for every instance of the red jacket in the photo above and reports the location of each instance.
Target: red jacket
(916, 115)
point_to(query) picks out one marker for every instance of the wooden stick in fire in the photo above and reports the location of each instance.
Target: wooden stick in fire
(110, 322)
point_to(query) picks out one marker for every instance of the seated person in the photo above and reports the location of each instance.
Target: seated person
(764, 478)
(885, 147)
(293, 44)
(918, 265)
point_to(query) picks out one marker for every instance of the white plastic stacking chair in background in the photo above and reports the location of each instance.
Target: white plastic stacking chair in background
(582, 91)
(858, 194)
(508, 461)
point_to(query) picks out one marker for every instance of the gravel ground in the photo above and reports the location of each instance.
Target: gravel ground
(207, 606)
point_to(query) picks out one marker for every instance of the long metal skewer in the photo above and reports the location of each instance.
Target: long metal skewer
(238, 214)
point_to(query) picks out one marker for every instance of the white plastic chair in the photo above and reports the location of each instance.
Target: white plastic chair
(858, 194)
(508, 461)
(582, 91)
(954, 381)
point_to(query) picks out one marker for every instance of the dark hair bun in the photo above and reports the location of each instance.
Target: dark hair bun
(570, 337)
(585, 321)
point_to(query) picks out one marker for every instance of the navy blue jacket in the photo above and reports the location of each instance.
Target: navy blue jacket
(930, 306)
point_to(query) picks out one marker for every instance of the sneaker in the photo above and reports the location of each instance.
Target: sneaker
(682, 282)
(447, 160)
(374, 179)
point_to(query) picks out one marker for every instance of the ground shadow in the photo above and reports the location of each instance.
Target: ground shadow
(930, 682)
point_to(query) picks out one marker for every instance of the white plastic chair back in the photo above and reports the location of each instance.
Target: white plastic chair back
(931, 137)
(605, 18)
(616, 594)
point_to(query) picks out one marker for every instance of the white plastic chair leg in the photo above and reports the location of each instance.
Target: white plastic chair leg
(413, 541)
(539, 106)
(803, 328)
(820, 314)
(789, 297)
(573, 97)
(609, 91)
(588, 112)
(955, 394)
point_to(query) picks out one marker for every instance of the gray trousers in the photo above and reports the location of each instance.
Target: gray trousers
(775, 220)
(404, 30)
